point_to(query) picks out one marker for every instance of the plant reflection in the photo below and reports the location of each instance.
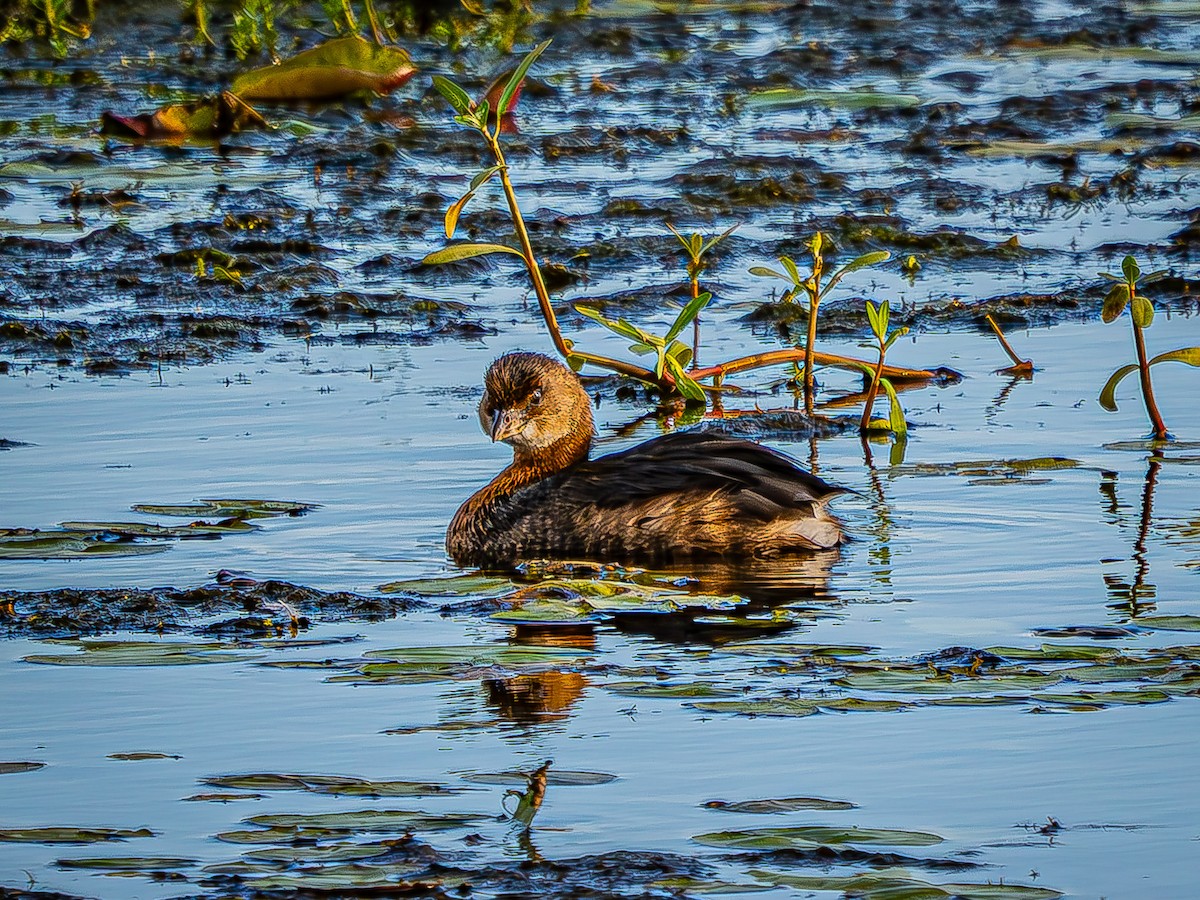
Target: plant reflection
(1136, 597)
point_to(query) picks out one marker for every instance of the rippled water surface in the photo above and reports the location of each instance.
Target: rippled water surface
(1020, 515)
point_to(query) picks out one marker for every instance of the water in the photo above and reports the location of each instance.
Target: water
(385, 438)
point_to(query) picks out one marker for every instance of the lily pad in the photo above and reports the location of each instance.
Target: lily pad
(54, 834)
(137, 755)
(330, 784)
(142, 653)
(336, 68)
(560, 613)
(461, 586)
(216, 116)
(127, 863)
(1169, 623)
(143, 529)
(895, 885)
(20, 543)
(367, 820)
(561, 777)
(13, 768)
(808, 836)
(782, 805)
(790, 98)
(228, 509)
(777, 706)
(666, 691)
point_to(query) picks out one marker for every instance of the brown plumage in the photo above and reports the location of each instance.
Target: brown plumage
(680, 496)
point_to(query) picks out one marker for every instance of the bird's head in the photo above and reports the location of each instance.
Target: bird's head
(536, 405)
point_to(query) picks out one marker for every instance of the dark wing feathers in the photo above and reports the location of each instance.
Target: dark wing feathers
(763, 481)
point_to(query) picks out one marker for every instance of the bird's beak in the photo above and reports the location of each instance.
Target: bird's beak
(505, 423)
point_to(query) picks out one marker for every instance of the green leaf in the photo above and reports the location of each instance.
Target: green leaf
(331, 70)
(1189, 355)
(455, 96)
(1108, 395)
(680, 352)
(895, 336)
(712, 242)
(1130, 269)
(641, 348)
(867, 259)
(896, 413)
(518, 76)
(484, 177)
(764, 272)
(1115, 302)
(684, 383)
(454, 211)
(790, 267)
(459, 252)
(689, 312)
(1142, 311)
(876, 312)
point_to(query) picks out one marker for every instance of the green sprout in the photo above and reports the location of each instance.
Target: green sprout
(673, 356)
(1141, 312)
(877, 315)
(814, 292)
(696, 249)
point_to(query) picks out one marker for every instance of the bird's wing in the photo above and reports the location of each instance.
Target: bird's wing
(763, 482)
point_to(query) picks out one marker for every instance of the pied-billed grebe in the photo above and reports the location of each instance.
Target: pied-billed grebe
(683, 495)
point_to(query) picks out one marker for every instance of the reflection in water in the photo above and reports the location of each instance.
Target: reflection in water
(531, 699)
(880, 552)
(1135, 598)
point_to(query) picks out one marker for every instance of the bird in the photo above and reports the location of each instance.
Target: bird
(685, 495)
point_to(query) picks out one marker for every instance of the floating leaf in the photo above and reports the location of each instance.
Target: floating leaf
(334, 69)
(367, 820)
(228, 509)
(69, 835)
(127, 863)
(329, 784)
(670, 691)
(557, 777)
(547, 612)
(807, 836)
(211, 117)
(142, 653)
(780, 706)
(1169, 623)
(783, 805)
(14, 768)
(138, 755)
(21, 543)
(459, 586)
(787, 98)
(142, 529)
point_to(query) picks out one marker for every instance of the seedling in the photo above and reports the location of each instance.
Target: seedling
(673, 356)
(877, 315)
(814, 292)
(697, 248)
(1124, 293)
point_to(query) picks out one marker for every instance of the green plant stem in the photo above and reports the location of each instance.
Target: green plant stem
(792, 354)
(695, 325)
(1156, 420)
(539, 285)
(872, 392)
(814, 301)
(376, 31)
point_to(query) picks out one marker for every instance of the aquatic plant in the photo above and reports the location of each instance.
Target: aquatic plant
(490, 118)
(877, 315)
(1124, 293)
(815, 292)
(54, 21)
(696, 249)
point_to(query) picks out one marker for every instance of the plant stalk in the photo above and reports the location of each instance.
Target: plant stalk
(793, 354)
(872, 392)
(1156, 420)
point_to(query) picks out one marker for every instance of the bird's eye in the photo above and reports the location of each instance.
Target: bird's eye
(536, 397)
